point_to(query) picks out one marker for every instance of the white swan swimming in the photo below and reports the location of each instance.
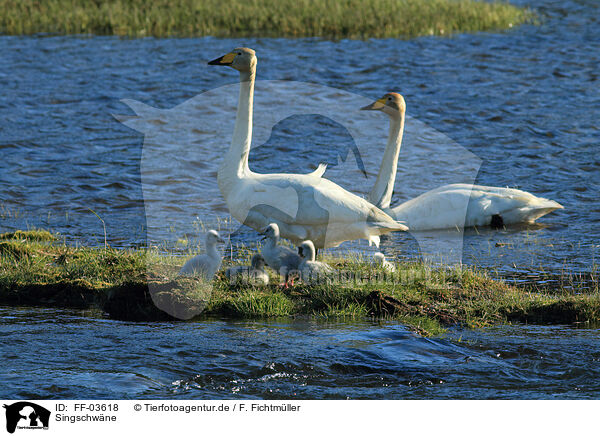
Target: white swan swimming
(445, 207)
(379, 259)
(254, 274)
(205, 265)
(310, 269)
(304, 206)
(281, 258)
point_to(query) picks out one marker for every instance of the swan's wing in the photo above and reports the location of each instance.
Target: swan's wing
(463, 205)
(513, 197)
(258, 202)
(351, 217)
(315, 271)
(307, 207)
(289, 258)
(196, 265)
(276, 195)
(512, 205)
(435, 210)
(323, 202)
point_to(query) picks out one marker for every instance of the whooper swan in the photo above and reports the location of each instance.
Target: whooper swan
(279, 257)
(205, 265)
(254, 274)
(310, 269)
(450, 206)
(379, 259)
(304, 206)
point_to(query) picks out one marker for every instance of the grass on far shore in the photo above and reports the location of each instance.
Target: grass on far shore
(36, 268)
(258, 18)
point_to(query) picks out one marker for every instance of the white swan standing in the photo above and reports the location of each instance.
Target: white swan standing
(310, 269)
(205, 265)
(254, 274)
(444, 207)
(304, 206)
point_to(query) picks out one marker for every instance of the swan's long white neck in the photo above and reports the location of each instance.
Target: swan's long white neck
(235, 163)
(381, 194)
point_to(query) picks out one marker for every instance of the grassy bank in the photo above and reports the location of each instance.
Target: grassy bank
(36, 268)
(277, 18)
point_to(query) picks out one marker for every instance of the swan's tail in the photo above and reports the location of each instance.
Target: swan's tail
(511, 205)
(385, 227)
(394, 226)
(378, 219)
(533, 211)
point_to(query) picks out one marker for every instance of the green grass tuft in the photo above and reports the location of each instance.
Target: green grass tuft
(29, 235)
(257, 304)
(38, 270)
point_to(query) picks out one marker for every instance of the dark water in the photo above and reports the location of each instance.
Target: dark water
(525, 101)
(61, 354)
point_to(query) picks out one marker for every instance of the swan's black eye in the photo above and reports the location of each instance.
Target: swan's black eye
(389, 98)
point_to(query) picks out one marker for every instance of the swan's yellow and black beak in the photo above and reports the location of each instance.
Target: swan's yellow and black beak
(223, 60)
(375, 106)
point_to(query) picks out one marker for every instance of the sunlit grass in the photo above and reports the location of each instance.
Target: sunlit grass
(38, 268)
(277, 18)
(253, 303)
